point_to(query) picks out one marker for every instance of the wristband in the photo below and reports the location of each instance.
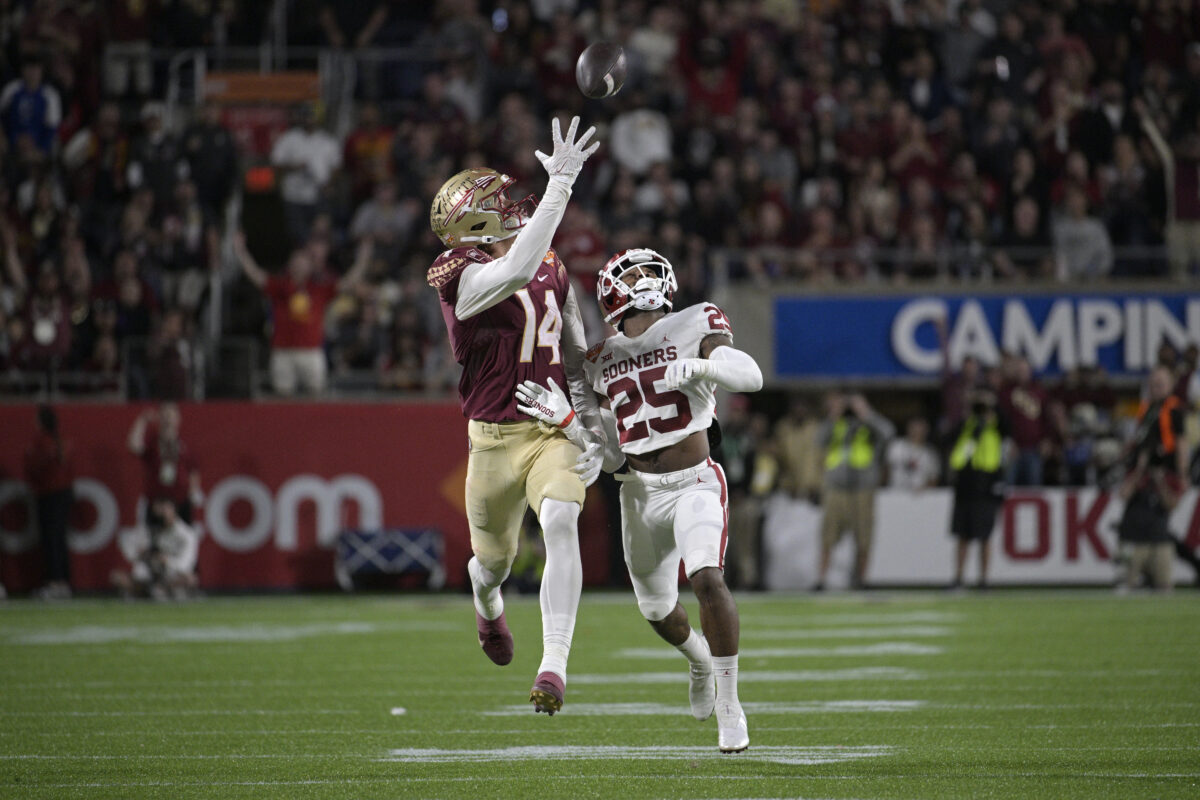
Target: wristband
(570, 418)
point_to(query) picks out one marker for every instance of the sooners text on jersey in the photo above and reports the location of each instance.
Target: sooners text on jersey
(517, 339)
(629, 372)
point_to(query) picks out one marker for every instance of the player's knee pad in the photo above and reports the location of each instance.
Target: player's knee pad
(559, 519)
(493, 567)
(655, 599)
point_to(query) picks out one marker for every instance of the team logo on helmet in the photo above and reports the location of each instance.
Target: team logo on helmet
(473, 207)
(640, 278)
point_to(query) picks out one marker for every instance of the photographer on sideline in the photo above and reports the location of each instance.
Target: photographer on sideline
(1153, 485)
(162, 556)
(853, 437)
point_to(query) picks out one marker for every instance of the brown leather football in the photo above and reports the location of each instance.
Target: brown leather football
(600, 70)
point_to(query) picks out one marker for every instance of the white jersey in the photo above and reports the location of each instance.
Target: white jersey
(629, 371)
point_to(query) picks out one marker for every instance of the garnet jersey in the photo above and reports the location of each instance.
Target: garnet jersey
(516, 340)
(629, 372)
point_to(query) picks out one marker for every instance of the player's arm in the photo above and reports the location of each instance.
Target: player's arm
(484, 285)
(719, 362)
(583, 399)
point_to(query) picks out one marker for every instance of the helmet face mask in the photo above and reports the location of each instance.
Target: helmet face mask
(639, 278)
(473, 208)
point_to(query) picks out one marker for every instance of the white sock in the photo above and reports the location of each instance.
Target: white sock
(696, 650)
(562, 581)
(485, 585)
(726, 670)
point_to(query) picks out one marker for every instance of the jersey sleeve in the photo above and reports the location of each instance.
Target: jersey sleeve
(448, 268)
(710, 319)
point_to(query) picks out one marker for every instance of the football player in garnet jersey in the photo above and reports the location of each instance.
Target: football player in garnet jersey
(512, 317)
(657, 378)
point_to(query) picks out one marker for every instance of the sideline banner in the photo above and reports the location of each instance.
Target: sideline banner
(842, 337)
(1050, 536)
(281, 481)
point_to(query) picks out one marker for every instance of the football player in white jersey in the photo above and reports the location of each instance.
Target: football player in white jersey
(656, 379)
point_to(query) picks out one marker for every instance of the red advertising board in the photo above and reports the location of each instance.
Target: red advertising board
(281, 480)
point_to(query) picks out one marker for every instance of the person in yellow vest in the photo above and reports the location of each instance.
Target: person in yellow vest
(977, 462)
(853, 438)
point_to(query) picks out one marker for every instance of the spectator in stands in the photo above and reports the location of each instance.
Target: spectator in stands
(131, 23)
(1081, 242)
(1153, 485)
(298, 302)
(1183, 227)
(162, 554)
(387, 221)
(31, 109)
(368, 152)
(1024, 404)
(170, 359)
(188, 248)
(156, 160)
(212, 159)
(1023, 252)
(853, 437)
(169, 470)
(308, 157)
(911, 462)
(50, 471)
(353, 23)
(977, 468)
(48, 322)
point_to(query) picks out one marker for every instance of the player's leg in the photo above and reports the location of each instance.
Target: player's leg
(653, 563)
(701, 520)
(557, 493)
(495, 505)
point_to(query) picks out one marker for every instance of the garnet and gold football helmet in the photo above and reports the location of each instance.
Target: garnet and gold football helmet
(473, 208)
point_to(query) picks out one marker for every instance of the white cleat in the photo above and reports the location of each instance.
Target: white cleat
(732, 735)
(702, 690)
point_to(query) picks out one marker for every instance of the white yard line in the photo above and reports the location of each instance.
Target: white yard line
(542, 753)
(622, 777)
(664, 709)
(187, 712)
(877, 632)
(878, 649)
(756, 676)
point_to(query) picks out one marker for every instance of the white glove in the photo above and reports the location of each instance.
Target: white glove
(587, 466)
(567, 159)
(549, 405)
(685, 371)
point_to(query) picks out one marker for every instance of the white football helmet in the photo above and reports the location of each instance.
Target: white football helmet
(640, 278)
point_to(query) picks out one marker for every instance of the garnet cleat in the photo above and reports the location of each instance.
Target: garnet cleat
(494, 638)
(547, 693)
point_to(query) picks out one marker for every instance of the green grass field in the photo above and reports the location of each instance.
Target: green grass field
(1071, 694)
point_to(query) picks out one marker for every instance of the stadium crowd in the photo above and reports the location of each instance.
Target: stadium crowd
(877, 141)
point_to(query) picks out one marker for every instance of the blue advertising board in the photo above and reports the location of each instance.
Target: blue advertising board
(895, 336)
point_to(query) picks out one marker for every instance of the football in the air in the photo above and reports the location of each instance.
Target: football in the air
(600, 70)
